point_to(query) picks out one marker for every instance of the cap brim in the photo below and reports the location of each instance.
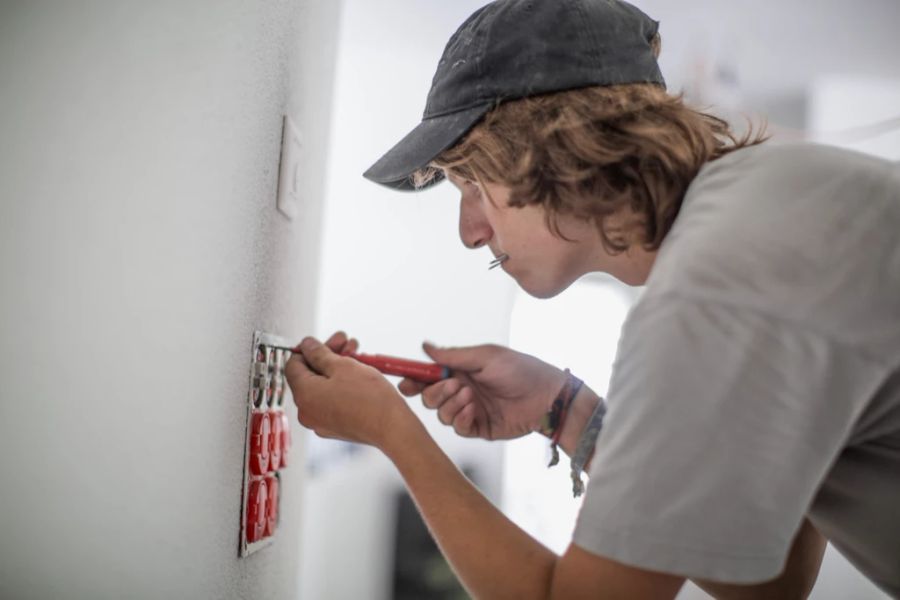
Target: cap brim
(422, 145)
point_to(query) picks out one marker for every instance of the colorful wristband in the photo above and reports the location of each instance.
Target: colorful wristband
(552, 422)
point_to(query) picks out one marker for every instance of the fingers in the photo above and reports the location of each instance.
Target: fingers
(411, 387)
(339, 343)
(464, 421)
(469, 358)
(298, 376)
(318, 356)
(295, 369)
(452, 406)
(454, 402)
(448, 397)
(435, 395)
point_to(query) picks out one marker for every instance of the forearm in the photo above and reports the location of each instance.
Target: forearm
(492, 556)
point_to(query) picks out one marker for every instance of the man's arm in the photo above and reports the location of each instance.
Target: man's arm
(490, 554)
(494, 558)
(339, 397)
(797, 579)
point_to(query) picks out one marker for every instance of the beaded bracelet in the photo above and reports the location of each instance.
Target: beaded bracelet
(552, 423)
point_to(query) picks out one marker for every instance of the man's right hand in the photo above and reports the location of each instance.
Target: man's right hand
(493, 392)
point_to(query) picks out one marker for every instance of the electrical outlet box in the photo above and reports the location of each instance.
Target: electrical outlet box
(267, 442)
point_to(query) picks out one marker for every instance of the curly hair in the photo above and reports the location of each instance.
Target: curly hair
(593, 152)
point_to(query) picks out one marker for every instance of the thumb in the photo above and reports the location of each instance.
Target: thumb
(318, 356)
(466, 358)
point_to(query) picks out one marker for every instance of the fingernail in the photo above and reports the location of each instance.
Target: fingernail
(309, 343)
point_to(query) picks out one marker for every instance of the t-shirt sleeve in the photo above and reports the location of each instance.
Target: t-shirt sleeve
(722, 422)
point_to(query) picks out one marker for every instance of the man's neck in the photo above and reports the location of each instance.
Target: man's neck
(632, 266)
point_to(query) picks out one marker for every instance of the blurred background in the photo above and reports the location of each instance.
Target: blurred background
(140, 247)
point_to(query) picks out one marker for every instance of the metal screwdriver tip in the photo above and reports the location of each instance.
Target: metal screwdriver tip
(498, 261)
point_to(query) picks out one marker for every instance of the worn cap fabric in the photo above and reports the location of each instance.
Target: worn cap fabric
(511, 49)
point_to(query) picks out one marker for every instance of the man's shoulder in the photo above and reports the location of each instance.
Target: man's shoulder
(782, 187)
(786, 168)
(804, 153)
(794, 230)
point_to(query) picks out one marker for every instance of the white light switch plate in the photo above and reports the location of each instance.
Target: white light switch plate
(289, 172)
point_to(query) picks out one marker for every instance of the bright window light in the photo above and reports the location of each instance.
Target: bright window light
(578, 329)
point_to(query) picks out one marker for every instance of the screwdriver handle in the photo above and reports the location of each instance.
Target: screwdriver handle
(424, 372)
(412, 369)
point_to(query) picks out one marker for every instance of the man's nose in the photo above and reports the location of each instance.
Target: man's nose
(474, 229)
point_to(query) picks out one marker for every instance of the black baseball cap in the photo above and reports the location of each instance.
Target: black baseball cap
(511, 49)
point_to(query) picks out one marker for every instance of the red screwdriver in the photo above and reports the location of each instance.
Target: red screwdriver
(424, 372)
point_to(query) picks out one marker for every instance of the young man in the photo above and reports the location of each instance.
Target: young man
(754, 407)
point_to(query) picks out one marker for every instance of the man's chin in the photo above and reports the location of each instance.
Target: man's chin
(542, 290)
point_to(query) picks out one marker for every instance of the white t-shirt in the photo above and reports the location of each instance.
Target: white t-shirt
(757, 379)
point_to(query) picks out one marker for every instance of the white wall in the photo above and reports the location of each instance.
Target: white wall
(858, 113)
(762, 57)
(139, 249)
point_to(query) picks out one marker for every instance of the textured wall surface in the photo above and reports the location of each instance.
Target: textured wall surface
(139, 249)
